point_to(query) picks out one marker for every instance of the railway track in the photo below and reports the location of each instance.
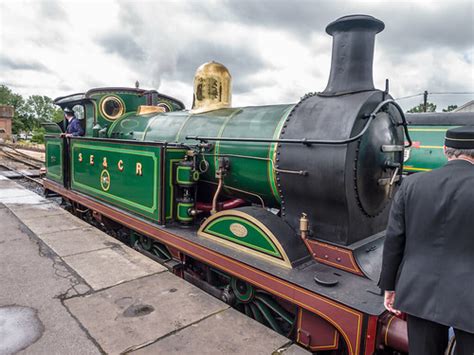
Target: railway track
(23, 147)
(13, 160)
(23, 175)
(14, 154)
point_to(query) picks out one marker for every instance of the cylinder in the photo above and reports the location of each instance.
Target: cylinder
(394, 333)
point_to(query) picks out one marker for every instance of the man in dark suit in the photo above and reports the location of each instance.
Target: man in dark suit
(74, 127)
(428, 257)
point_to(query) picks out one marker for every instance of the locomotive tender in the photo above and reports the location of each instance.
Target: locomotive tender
(278, 210)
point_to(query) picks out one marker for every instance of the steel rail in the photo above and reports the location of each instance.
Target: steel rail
(39, 182)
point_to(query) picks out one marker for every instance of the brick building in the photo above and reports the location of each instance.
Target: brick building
(6, 116)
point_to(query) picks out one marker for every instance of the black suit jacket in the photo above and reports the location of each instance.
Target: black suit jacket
(428, 256)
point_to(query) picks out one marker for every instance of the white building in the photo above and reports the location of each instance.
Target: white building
(467, 107)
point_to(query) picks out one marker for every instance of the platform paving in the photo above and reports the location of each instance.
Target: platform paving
(230, 334)
(36, 280)
(142, 311)
(68, 288)
(112, 266)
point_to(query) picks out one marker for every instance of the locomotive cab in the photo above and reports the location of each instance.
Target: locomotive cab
(97, 111)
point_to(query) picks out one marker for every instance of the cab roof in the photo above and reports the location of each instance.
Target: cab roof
(72, 99)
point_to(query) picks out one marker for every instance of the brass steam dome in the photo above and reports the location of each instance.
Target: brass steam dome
(212, 88)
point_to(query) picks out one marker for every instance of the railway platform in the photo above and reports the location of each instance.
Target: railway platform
(68, 288)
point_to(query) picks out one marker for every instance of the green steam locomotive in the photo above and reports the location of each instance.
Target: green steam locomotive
(277, 210)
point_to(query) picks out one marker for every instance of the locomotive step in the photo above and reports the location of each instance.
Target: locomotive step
(85, 292)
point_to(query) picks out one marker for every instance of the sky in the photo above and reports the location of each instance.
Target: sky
(275, 50)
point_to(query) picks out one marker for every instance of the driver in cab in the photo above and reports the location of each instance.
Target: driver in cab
(74, 127)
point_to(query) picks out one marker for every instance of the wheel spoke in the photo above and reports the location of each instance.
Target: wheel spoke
(257, 315)
(275, 307)
(133, 240)
(161, 251)
(268, 316)
(247, 310)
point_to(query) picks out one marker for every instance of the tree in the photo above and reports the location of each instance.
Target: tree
(8, 97)
(450, 108)
(38, 135)
(40, 108)
(58, 115)
(430, 107)
(29, 113)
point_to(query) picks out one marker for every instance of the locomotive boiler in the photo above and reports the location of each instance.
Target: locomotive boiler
(278, 210)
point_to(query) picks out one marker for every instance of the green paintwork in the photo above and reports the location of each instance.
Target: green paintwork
(255, 239)
(173, 156)
(51, 128)
(139, 194)
(133, 125)
(242, 290)
(256, 313)
(268, 301)
(130, 100)
(251, 163)
(268, 316)
(89, 111)
(186, 176)
(54, 159)
(127, 189)
(161, 251)
(427, 150)
(182, 211)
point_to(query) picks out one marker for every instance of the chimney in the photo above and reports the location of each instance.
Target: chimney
(352, 54)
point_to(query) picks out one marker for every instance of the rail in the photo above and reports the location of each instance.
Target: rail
(19, 172)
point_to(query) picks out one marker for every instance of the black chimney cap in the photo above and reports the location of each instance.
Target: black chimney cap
(353, 21)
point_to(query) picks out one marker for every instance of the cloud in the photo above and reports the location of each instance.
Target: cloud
(240, 61)
(52, 10)
(172, 42)
(122, 44)
(21, 64)
(275, 50)
(411, 25)
(300, 17)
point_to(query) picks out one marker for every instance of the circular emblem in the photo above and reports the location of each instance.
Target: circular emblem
(105, 180)
(238, 230)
